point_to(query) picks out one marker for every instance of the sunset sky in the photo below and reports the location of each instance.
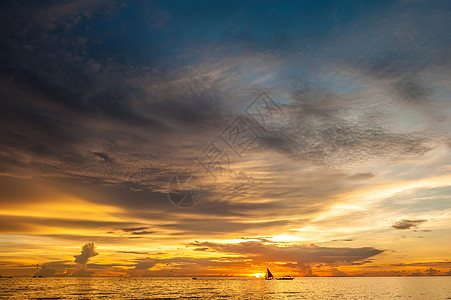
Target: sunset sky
(309, 137)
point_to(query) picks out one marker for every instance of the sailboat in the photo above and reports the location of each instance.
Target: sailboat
(269, 276)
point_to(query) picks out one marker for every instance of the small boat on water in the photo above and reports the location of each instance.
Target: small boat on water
(269, 276)
(194, 278)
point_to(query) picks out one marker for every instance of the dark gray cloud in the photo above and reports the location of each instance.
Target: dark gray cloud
(317, 131)
(402, 53)
(104, 158)
(361, 176)
(134, 252)
(58, 98)
(201, 249)
(132, 231)
(407, 224)
(398, 74)
(301, 254)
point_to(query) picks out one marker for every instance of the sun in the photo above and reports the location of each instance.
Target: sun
(259, 275)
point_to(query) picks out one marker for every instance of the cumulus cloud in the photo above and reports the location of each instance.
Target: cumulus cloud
(87, 251)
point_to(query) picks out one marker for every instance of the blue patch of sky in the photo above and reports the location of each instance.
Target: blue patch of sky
(420, 200)
(168, 34)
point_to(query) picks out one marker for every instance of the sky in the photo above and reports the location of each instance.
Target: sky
(221, 138)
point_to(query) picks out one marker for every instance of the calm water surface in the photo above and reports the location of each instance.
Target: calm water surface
(226, 288)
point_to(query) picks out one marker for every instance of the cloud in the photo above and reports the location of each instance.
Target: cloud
(431, 272)
(440, 264)
(337, 273)
(302, 254)
(240, 257)
(145, 264)
(428, 272)
(417, 273)
(133, 229)
(342, 240)
(201, 249)
(361, 176)
(104, 158)
(305, 270)
(134, 252)
(87, 251)
(318, 130)
(45, 271)
(55, 268)
(407, 224)
(137, 230)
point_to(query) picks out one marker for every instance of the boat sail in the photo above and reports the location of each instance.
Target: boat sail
(268, 275)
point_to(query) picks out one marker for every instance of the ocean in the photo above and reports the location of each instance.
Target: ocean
(438, 287)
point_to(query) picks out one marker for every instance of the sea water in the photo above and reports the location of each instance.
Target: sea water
(438, 287)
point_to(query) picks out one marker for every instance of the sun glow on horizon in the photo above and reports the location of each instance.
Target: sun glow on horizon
(258, 275)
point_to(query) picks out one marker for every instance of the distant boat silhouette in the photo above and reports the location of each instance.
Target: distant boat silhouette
(269, 276)
(194, 277)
